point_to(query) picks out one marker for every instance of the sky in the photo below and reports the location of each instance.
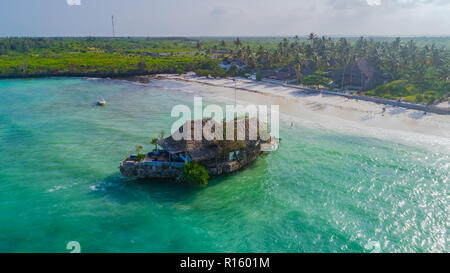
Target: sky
(224, 17)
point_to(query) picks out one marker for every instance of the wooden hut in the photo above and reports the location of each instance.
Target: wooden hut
(361, 74)
(205, 142)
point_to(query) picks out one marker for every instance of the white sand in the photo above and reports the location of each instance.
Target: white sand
(333, 112)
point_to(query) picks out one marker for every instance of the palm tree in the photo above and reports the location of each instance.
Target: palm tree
(262, 55)
(343, 50)
(352, 60)
(296, 42)
(298, 72)
(285, 44)
(155, 142)
(237, 42)
(139, 149)
(162, 134)
(311, 36)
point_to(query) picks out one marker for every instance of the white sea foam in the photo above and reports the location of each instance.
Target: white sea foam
(96, 188)
(56, 188)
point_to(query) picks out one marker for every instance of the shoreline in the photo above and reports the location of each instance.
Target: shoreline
(318, 107)
(145, 78)
(124, 75)
(322, 108)
(202, 80)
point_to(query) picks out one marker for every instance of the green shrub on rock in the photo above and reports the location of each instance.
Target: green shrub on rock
(139, 157)
(195, 174)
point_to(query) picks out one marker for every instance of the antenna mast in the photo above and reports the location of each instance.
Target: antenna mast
(113, 28)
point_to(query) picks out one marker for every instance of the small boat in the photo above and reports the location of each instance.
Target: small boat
(101, 103)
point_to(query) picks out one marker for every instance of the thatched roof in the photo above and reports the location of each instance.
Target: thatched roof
(197, 149)
(211, 145)
(360, 73)
(246, 128)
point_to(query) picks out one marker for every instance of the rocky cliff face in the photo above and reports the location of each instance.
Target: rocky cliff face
(231, 166)
(146, 171)
(165, 171)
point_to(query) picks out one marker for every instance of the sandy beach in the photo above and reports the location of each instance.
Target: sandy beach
(325, 108)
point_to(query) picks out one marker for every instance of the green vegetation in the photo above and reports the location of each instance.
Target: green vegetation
(139, 149)
(421, 64)
(139, 157)
(410, 92)
(215, 72)
(317, 79)
(258, 76)
(102, 57)
(195, 174)
(97, 64)
(155, 142)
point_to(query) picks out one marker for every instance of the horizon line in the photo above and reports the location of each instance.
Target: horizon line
(238, 36)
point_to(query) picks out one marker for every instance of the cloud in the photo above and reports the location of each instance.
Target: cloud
(73, 2)
(218, 11)
(388, 4)
(227, 17)
(374, 2)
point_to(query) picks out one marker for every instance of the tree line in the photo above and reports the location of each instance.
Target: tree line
(407, 69)
(415, 69)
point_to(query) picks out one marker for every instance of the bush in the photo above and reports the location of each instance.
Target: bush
(233, 71)
(409, 91)
(215, 73)
(316, 80)
(139, 157)
(195, 174)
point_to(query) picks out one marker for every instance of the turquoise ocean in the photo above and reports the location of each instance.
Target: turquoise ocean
(322, 191)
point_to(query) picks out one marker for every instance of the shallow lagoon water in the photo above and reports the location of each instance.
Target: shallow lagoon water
(322, 191)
